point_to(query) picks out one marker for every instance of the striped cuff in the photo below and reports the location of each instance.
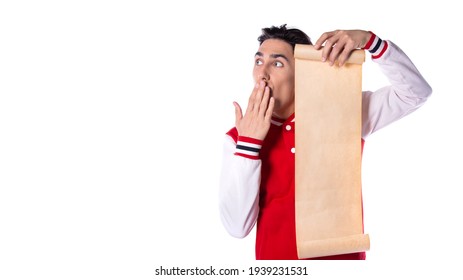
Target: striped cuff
(248, 147)
(376, 46)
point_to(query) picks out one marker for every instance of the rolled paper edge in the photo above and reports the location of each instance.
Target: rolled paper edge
(308, 52)
(333, 246)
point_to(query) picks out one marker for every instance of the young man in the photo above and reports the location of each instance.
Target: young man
(258, 172)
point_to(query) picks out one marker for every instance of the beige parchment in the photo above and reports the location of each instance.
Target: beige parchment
(328, 155)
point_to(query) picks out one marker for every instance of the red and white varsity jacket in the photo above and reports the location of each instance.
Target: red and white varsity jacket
(258, 177)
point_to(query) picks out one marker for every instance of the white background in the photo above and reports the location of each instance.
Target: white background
(112, 119)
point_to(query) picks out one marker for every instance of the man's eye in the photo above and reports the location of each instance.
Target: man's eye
(278, 64)
(259, 62)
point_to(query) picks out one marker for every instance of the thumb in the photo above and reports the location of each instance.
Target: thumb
(238, 112)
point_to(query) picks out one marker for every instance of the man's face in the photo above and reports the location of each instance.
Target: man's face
(274, 63)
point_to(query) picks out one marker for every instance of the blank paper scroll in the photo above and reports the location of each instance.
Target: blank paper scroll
(329, 218)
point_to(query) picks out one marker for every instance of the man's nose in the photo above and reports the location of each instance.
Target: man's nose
(263, 76)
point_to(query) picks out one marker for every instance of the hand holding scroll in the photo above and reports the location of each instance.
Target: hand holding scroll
(256, 121)
(339, 44)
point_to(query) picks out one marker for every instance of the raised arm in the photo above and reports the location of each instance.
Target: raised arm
(241, 166)
(408, 90)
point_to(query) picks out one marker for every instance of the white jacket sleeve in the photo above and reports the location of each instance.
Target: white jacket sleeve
(239, 191)
(407, 92)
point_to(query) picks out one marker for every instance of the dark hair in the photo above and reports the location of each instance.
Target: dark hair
(291, 36)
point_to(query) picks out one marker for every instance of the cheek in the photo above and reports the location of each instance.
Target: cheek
(290, 83)
(254, 74)
(290, 78)
(286, 83)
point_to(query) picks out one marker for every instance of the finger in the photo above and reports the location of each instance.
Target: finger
(252, 98)
(238, 113)
(348, 48)
(269, 111)
(335, 52)
(258, 97)
(264, 104)
(328, 49)
(330, 41)
(322, 39)
(344, 56)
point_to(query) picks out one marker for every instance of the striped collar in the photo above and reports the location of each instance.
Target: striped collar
(279, 122)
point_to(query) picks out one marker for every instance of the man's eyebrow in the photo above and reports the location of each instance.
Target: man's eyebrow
(276, 55)
(279, 55)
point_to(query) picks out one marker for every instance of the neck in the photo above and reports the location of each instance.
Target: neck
(284, 113)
